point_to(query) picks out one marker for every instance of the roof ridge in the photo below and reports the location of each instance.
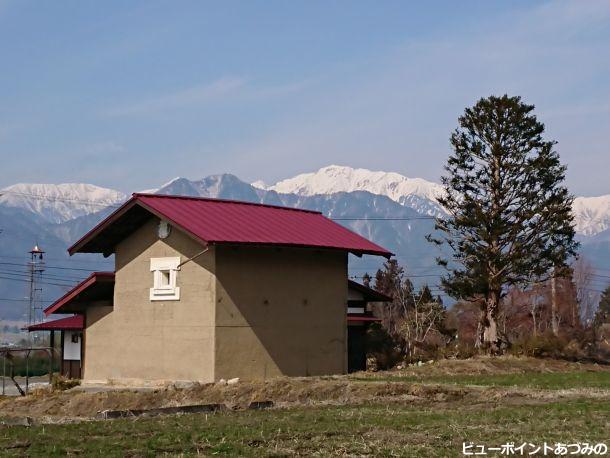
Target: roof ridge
(227, 201)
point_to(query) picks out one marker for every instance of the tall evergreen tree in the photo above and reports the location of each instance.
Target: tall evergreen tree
(510, 220)
(603, 309)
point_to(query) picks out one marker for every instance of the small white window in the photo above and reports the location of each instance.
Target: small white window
(165, 275)
(165, 272)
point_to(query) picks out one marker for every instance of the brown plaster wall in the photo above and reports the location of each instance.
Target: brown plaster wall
(160, 340)
(280, 311)
(248, 312)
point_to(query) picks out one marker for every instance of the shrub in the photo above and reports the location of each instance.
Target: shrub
(546, 345)
(459, 350)
(381, 347)
(61, 383)
(37, 365)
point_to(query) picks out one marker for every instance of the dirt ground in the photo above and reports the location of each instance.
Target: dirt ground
(34, 383)
(411, 384)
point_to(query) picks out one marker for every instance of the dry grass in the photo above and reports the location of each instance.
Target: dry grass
(472, 381)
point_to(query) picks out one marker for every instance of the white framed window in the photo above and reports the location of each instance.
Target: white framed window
(165, 273)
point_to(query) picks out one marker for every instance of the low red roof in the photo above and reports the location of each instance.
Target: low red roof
(98, 285)
(362, 318)
(71, 323)
(219, 221)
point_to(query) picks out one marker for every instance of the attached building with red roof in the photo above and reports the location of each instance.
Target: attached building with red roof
(205, 289)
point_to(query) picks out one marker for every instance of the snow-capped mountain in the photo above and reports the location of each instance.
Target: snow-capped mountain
(416, 193)
(592, 214)
(64, 202)
(57, 203)
(54, 216)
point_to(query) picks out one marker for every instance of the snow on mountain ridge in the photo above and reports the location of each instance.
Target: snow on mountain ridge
(591, 214)
(416, 193)
(62, 202)
(260, 184)
(58, 203)
(335, 178)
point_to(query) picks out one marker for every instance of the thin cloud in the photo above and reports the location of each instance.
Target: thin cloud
(202, 94)
(282, 90)
(192, 96)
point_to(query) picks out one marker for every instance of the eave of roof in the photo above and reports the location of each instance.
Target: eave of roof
(71, 323)
(156, 205)
(370, 294)
(102, 225)
(94, 278)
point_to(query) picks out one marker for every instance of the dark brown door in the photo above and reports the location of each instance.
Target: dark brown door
(70, 368)
(356, 351)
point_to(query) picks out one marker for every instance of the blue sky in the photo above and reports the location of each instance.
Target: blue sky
(131, 94)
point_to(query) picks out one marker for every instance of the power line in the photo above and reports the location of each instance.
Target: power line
(372, 218)
(27, 281)
(598, 275)
(406, 275)
(43, 275)
(71, 260)
(20, 300)
(49, 267)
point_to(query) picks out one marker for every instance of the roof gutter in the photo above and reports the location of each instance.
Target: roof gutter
(207, 247)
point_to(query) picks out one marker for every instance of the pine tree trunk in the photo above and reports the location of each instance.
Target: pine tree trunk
(554, 318)
(487, 332)
(490, 333)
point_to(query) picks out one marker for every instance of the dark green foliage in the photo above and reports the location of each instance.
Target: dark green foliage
(510, 220)
(382, 347)
(603, 309)
(38, 364)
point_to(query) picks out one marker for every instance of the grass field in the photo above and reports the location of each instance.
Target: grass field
(490, 409)
(547, 381)
(379, 429)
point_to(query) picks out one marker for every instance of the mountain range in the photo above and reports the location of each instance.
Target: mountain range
(55, 215)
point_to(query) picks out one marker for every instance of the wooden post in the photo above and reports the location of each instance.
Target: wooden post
(51, 356)
(27, 370)
(61, 354)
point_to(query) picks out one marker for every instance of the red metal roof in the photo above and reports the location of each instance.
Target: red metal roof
(71, 323)
(362, 318)
(233, 222)
(86, 284)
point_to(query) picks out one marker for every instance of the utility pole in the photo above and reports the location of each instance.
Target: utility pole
(36, 266)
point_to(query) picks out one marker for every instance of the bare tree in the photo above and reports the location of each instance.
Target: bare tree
(586, 298)
(424, 318)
